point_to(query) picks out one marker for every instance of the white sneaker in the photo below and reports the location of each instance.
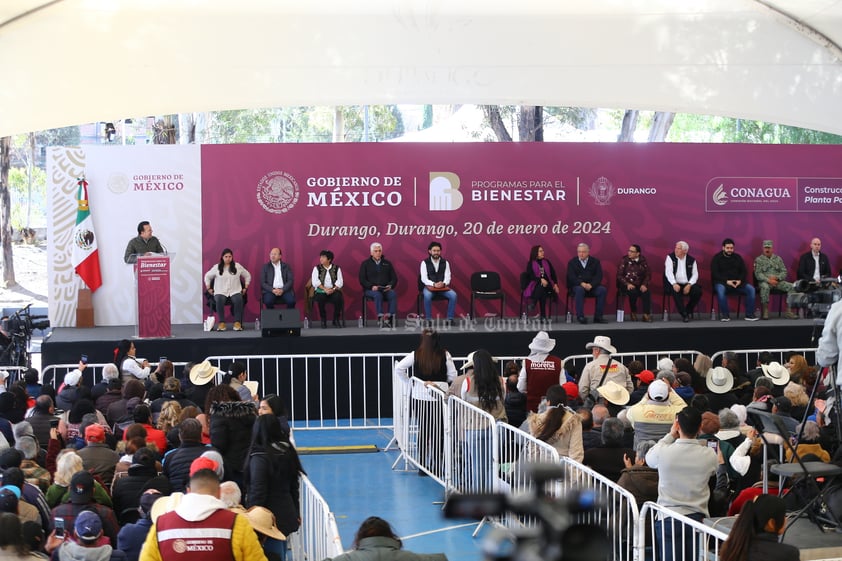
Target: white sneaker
(751, 318)
(725, 319)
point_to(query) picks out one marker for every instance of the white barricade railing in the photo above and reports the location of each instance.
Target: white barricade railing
(92, 374)
(676, 537)
(424, 441)
(318, 537)
(472, 450)
(341, 391)
(649, 359)
(516, 449)
(15, 373)
(617, 514)
(748, 358)
(401, 389)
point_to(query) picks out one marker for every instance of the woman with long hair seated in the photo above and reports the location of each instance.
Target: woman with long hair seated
(542, 281)
(755, 534)
(559, 425)
(227, 280)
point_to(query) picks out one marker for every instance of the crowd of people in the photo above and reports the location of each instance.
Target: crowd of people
(226, 283)
(681, 434)
(144, 464)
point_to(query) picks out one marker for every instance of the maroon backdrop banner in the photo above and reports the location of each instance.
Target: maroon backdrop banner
(488, 204)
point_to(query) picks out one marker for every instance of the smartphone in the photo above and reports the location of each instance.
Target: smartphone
(54, 423)
(58, 523)
(84, 359)
(713, 443)
(162, 359)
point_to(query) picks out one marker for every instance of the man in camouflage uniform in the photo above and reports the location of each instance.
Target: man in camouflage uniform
(770, 271)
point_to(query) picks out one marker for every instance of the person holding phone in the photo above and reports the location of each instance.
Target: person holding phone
(131, 367)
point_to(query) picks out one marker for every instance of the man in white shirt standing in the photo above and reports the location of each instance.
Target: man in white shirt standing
(435, 278)
(681, 273)
(276, 282)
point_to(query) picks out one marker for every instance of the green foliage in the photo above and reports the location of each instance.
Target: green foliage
(428, 117)
(385, 122)
(19, 192)
(240, 126)
(710, 128)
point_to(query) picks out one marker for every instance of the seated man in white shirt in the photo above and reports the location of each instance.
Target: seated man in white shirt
(276, 282)
(681, 278)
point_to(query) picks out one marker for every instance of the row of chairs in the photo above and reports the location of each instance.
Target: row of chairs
(487, 285)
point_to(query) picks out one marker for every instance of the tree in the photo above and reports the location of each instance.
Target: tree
(531, 120)
(7, 262)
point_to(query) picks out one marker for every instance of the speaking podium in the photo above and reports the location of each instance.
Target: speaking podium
(152, 280)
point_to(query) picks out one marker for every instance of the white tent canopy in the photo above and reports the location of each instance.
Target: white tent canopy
(79, 61)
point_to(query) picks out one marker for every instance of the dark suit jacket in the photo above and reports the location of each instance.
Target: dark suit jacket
(576, 274)
(267, 277)
(806, 266)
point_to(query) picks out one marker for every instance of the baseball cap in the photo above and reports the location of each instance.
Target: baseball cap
(95, 433)
(659, 391)
(201, 463)
(81, 487)
(88, 526)
(645, 376)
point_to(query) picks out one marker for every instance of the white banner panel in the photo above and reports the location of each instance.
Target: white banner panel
(126, 185)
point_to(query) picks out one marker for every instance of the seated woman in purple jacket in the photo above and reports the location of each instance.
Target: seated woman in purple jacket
(541, 281)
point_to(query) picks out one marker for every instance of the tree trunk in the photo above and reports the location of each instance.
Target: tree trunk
(531, 123)
(187, 128)
(338, 125)
(629, 125)
(7, 263)
(492, 113)
(661, 126)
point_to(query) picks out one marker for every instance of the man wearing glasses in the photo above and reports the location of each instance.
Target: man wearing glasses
(633, 277)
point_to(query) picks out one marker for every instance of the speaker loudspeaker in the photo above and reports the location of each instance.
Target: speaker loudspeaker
(280, 322)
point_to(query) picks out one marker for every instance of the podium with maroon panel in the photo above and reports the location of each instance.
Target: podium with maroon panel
(152, 274)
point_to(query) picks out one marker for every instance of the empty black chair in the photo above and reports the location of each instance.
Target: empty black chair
(485, 285)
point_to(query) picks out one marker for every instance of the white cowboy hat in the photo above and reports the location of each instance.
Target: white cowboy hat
(719, 380)
(602, 342)
(777, 372)
(542, 343)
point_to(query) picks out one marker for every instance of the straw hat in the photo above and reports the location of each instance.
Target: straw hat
(719, 380)
(164, 505)
(263, 521)
(614, 392)
(203, 373)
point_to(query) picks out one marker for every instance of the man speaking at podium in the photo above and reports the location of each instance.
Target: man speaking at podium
(144, 244)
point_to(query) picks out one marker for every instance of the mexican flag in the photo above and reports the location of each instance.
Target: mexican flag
(85, 258)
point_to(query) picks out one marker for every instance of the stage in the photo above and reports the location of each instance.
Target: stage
(507, 337)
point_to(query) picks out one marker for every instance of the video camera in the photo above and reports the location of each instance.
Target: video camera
(817, 296)
(556, 538)
(17, 331)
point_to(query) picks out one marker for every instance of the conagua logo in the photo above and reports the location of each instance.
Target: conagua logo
(719, 196)
(277, 192)
(602, 190)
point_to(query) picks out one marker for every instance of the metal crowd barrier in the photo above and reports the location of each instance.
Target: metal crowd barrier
(15, 373)
(618, 513)
(748, 358)
(54, 374)
(649, 359)
(518, 448)
(472, 451)
(690, 540)
(341, 391)
(318, 537)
